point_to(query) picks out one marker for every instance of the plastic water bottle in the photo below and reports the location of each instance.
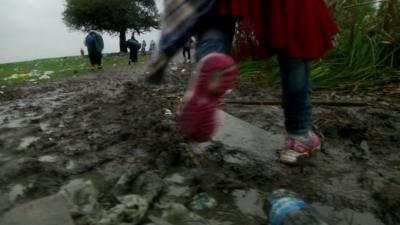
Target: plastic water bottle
(285, 208)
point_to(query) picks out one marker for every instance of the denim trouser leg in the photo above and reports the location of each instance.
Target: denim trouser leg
(295, 81)
(215, 35)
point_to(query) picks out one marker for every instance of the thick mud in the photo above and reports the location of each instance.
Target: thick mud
(120, 134)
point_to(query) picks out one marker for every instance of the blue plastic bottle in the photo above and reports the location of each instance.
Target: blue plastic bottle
(283, 207)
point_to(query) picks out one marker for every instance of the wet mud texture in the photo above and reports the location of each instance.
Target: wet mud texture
(119, 134)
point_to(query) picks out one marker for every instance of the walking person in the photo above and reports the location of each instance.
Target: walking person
(82, 52)
(152, 48)
(186, 51)
(134, 47)
(143, 49)
(95, 45)
(297, 31)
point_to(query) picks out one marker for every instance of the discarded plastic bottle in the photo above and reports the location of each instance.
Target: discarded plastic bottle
(285, 208)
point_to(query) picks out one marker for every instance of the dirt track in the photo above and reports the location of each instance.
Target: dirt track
(106, 126)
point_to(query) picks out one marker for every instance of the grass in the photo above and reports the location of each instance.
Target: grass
(44, 70)
(327, 73)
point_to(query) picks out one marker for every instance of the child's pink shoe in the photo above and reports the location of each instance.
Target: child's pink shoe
(296, 148)
(197, 116)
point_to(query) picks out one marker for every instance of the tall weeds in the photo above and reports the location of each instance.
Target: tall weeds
(367, 50)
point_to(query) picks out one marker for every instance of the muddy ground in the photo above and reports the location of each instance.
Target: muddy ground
(118, 133)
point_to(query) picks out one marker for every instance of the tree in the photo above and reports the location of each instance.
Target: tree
(113, 16)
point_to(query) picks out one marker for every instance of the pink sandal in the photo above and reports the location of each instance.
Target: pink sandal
(296, 148)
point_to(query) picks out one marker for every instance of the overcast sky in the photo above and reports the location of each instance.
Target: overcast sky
(32, 29)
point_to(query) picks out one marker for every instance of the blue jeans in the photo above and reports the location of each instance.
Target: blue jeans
(294, 73)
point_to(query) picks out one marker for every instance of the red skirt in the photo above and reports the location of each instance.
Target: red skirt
(300, 29)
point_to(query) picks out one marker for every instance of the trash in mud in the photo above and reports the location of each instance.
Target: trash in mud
(82, 197)
(26, 141)
(44, 77)
(33, 74)
(18, 76)
(16, 192)
(286, 208)
(167, 112)
(48, 73)
(132, 209)
(47, 159)
(203, 201)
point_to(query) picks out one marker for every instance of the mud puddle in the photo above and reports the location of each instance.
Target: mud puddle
(116, 133)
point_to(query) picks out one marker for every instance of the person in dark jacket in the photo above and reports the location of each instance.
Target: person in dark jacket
(134, 47)
(95, 45)
(186, 50)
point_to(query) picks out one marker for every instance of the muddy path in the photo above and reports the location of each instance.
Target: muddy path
(119, 134)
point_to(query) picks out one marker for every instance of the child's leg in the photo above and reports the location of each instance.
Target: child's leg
(189, 54)
(184, 53)
(296, 89)
(301, 142)
(216, 73)
(215, 36)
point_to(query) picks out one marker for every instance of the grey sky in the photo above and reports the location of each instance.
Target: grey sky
(32, 29)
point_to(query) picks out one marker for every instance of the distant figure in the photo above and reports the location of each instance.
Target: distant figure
(134, 47)
(95, 45)
(82, 52)
(144, 45)
(186, 50)
(152, 47)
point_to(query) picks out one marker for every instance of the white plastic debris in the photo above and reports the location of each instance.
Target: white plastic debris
(17, 191)
(44, 77)
(47, 159)
(34, 73)
(167, 112)
(48, 73)
(17, 76)
(81, 196)
(132, 208)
